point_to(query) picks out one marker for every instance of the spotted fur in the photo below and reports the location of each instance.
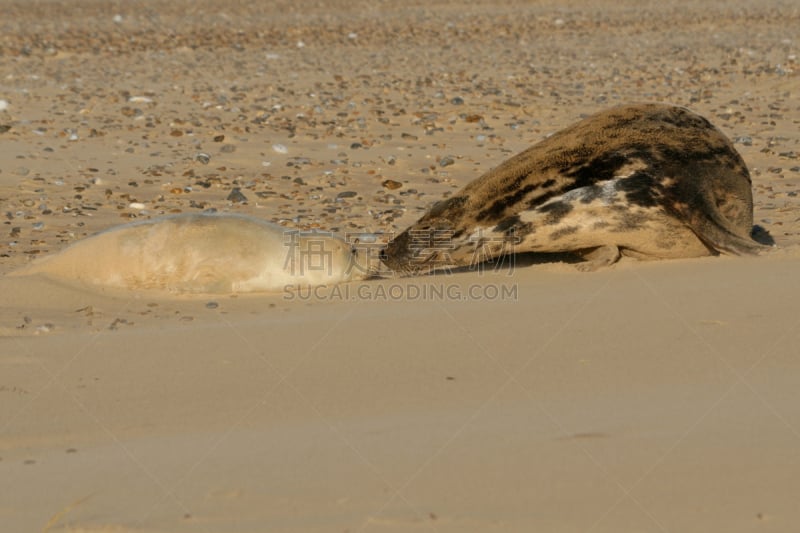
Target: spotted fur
(646, 180)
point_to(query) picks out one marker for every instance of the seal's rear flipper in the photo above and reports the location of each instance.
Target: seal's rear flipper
(762, 236)
(721, 240)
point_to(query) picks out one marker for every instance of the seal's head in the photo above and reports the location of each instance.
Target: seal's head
(445, 237)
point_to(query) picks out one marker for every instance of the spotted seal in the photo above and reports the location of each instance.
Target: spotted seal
(203, 253)
(645, 180)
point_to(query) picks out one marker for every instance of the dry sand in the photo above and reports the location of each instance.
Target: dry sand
(646, 397)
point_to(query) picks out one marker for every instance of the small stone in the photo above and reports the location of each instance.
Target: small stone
(131, 111)
(219, 138)
(744, 140)
(392, 184)
(22, 171)
(202, 158)
(446, 161)
(281, 149)
(236, 196)
(3, 105)
(346, 194)
(212, 305)
(457, 101)
(228, 148)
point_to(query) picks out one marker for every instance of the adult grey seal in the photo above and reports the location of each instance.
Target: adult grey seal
(645, 180)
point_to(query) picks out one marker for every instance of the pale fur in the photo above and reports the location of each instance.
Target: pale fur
(203, 254)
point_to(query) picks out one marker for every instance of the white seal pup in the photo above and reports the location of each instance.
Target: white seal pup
(646, 180)
(204, 253)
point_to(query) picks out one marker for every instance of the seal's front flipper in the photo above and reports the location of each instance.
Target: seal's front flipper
(599, 257)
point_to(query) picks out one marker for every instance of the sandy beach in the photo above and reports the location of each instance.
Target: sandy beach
(647, 396)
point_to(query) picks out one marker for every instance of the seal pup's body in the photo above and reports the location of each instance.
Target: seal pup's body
(203, 254)
(646, 180)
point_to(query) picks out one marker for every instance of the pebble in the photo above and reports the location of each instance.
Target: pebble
(202, 158)
(446, 161)
(236, 196)
(279, 148)
(137, 205)
(3, 105)
(346, 194)
(391, 184)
